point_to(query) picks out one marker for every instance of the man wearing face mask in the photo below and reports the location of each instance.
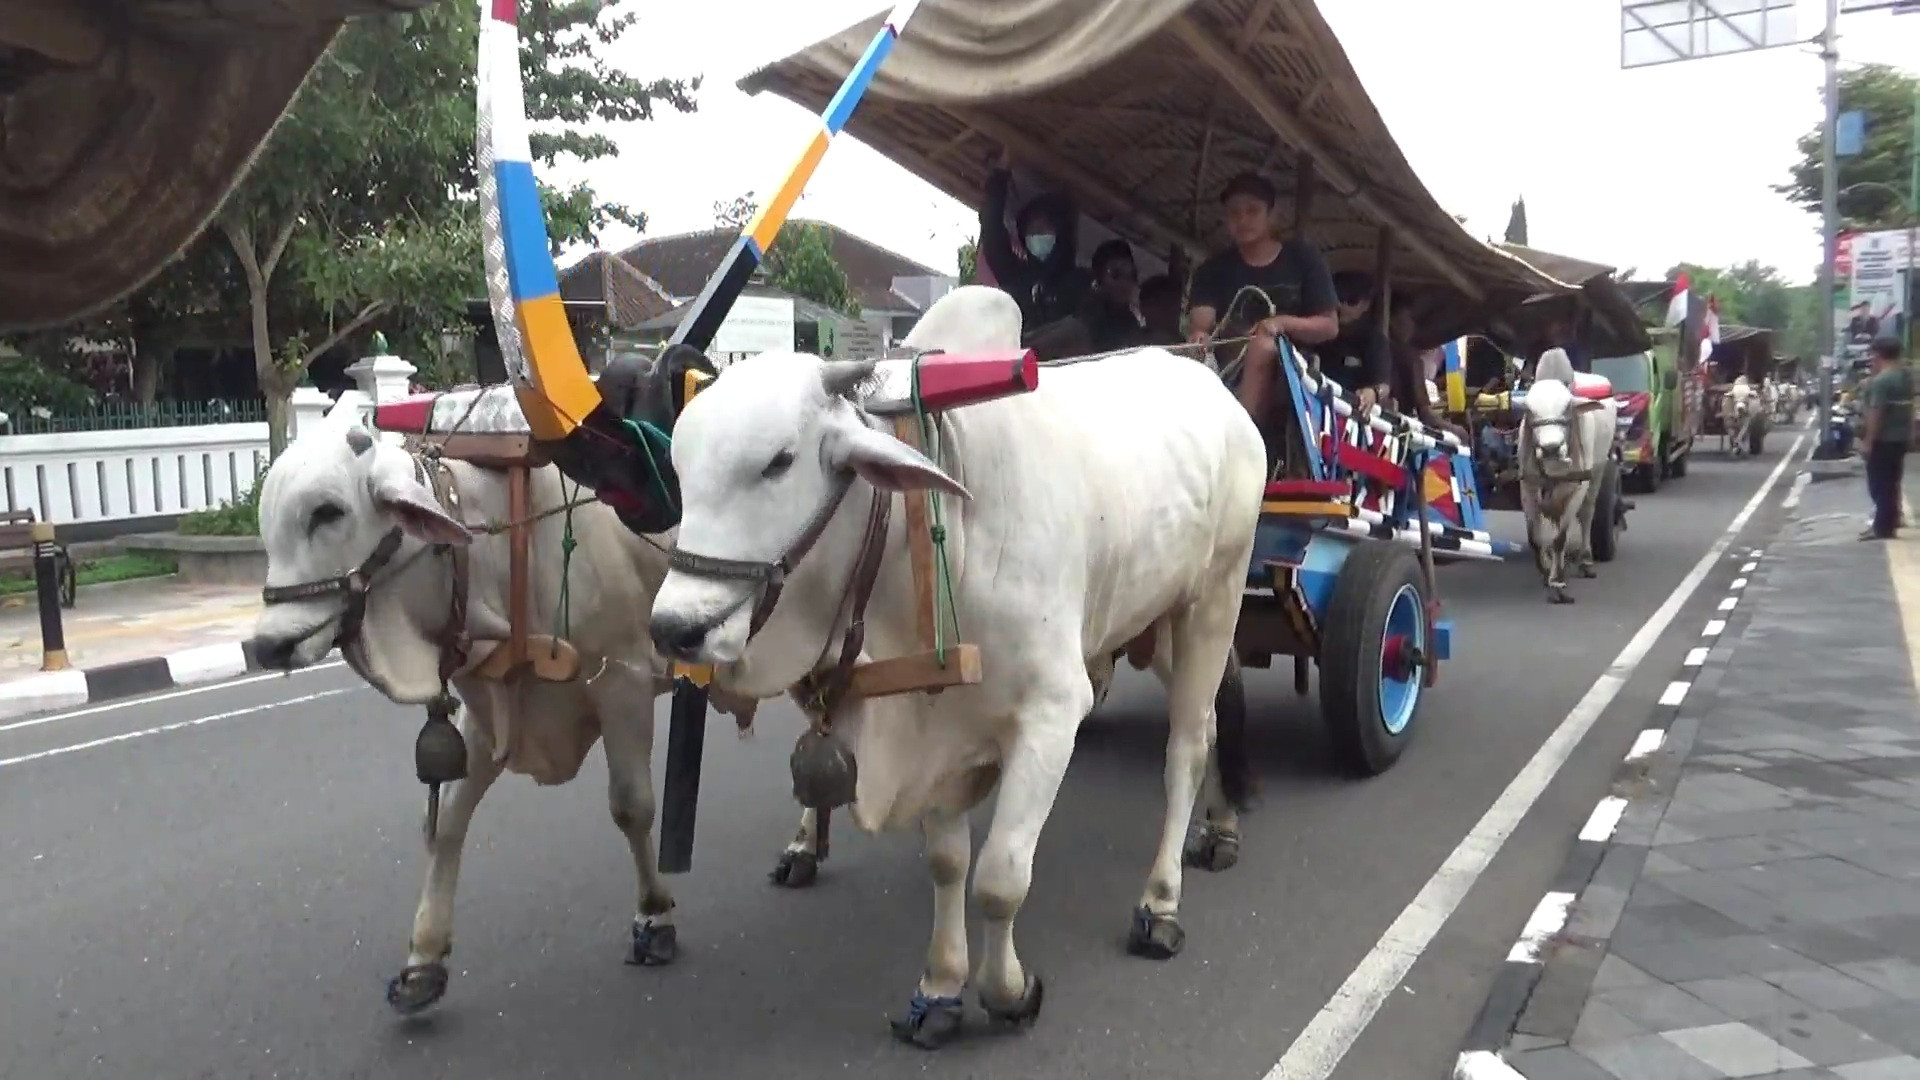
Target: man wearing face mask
(1047, 283)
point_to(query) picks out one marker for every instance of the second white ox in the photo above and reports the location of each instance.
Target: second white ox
(1564, 446)
(1118, 494)
(329, 503)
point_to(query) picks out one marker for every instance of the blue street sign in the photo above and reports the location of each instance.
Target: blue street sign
(1850, 135)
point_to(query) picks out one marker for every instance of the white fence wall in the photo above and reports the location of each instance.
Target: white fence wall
(91, 476)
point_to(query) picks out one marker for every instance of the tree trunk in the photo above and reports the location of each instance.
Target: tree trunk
(264, 368)
(151, 359)
(279, 415)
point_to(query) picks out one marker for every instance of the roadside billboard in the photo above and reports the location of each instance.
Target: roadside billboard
(1878, 274)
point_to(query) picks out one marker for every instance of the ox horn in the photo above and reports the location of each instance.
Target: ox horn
(840, 377)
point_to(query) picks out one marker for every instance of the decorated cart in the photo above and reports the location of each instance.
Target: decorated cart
(1740, 421)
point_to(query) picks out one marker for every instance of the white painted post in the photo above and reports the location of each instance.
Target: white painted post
(382, 377)
(309, 405)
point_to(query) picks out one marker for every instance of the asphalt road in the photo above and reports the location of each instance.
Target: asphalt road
(226, 899)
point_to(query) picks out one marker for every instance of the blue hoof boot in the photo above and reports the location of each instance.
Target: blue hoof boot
(1156, 937)
(654, 945)
(930, 1023)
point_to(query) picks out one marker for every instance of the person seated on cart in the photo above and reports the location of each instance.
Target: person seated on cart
(1112, 311)
(1046, 282)
(1408, 375)
(1160, 309)
(1358, 358)
(1291, 274)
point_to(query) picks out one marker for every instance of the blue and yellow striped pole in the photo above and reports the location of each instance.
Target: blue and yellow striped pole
(750, 250)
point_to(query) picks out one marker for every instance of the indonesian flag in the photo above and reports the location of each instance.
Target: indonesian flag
(1710, 329)
(1677, 307)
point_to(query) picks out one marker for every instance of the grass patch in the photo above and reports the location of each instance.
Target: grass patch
(100, 571)
(240, 517)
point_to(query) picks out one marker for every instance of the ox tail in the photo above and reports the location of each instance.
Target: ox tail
(1230, 737)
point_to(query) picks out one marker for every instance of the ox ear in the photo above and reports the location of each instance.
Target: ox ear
(412, 503)
(886, 462)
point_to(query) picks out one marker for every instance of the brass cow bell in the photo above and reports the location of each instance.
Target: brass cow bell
(824, 771)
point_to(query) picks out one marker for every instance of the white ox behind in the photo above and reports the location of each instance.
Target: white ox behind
(1119, 493)
(325, 505)
(1564, 444)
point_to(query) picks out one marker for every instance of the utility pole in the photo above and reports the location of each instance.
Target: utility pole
(1908, 301)
(1830, 220)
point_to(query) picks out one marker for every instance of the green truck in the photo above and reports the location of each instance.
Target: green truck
(1659, 413)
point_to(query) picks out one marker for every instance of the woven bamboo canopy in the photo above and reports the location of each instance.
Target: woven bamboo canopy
(1146, 140)
(1603, 314)
(124, 123)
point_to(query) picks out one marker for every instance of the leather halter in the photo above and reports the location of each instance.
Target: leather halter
(827, 685)
(355, 584)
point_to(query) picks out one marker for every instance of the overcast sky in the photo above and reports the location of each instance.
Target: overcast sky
(1489, 100)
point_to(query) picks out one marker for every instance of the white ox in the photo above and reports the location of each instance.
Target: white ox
(1119, 494)
(1564, 445)
(1737, 415)
(326, 505)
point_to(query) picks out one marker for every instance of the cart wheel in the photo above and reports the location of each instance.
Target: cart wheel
(1606, 510)
(1372, 649)
(1678, 468)
(69, 580)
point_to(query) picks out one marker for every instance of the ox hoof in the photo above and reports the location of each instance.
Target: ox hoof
(654, 944)
(1213, 850)
(1019, 1013)
(1559, 596)
(930, 1023)
(1156, 937)
(417, 988)
(795, 870)
(1586, 572)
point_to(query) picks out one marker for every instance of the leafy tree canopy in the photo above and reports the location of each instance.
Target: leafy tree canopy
(1886, 95)
(1752, 294)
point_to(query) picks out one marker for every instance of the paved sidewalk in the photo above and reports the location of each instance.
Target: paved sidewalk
(1756, 911)
(129, 621)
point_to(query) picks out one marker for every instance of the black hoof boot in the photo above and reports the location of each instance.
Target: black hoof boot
(1559, 596)
(795, 870)
(930, 1023)
(1587, 572)
(654, 944)
(1156, 937)
(417, 988)
(1213, 849)
(1021, 1013)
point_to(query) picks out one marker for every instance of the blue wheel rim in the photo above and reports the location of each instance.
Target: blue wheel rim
(1400, 691)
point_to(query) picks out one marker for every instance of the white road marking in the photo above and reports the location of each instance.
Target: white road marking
(175, 726)
(1739, 582)
(168, 696)
(1696, 656)
(1713, 628)
(1547, 919)
(1484, 1065)
(1606, 818)
(1675, 693)
(1794, 490)
(1748, 569)
(1646, 743)
(1729, 603)
(1331, 1033)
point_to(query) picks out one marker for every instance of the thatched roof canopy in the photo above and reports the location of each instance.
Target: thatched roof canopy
(1607, 320)
(1143, 109)
(125, 123)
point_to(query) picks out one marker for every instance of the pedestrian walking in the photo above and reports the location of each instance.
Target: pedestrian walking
(1886, 396)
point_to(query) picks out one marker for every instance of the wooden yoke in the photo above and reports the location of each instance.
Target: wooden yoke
(921, 670)
(552, 658)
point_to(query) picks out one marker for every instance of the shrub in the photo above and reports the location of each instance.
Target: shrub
(236, 517)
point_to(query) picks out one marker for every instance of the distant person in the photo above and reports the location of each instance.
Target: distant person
(1886, 397)
(1044, 281)
(1359, 357)
(1293, 277)
(1112, 310)
(1160, 309)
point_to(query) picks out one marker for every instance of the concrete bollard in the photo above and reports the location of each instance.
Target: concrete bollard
(46, 579)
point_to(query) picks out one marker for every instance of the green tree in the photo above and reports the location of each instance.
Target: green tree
(734, 213)
(1753, 294)
(1517, 222)
(1886, 96)
(362, 210)
(969, 259)
(802, 263)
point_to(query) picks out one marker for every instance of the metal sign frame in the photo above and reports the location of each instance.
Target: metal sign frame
(1654, 32)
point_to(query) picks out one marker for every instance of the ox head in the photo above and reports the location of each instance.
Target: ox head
(763, 454)
(1549, 415)
(340, 511)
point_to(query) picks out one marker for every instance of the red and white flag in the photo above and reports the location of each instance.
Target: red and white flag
(1677, 307)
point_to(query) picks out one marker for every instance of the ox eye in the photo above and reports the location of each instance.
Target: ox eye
(776, 468)
(324, 514)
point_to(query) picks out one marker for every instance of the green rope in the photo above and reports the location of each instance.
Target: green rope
(563, 613)
(641, 430)
(943, 601)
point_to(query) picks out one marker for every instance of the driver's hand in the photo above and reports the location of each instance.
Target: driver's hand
(1366, 397)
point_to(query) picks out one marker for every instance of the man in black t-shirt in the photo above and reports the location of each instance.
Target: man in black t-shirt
(1358, 358)
(1110, 311)
(1293, 275)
